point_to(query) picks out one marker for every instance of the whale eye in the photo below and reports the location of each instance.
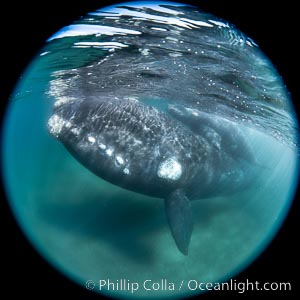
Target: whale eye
(119, 161)
(170, 169)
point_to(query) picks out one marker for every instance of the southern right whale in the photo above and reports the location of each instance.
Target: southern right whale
(178, 155)
(160, 112)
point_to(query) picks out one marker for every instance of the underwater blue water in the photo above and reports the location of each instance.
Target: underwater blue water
(90, 229)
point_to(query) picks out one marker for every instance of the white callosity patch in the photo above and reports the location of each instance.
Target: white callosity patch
(119, 160)
(91, 139)
(170, 169)
(109, 151)
(102, 146)
(126, 171)
(56, 124)
(76, 131)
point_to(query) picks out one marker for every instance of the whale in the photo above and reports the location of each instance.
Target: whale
(179, 155)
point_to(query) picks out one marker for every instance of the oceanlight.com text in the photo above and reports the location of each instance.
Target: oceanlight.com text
(163, 284)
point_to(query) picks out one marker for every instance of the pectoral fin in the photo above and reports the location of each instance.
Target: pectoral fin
(180, 219)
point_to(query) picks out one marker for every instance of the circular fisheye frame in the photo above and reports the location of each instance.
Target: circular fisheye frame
(150, 147)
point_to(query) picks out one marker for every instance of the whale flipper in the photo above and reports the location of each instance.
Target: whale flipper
(180, 219)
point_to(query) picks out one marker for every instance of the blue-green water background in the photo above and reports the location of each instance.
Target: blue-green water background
(90, 229)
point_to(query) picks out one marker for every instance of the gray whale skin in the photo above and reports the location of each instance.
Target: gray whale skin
(178, 155)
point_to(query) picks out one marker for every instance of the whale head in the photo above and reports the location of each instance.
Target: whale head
(136, 147)
(129, 144)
